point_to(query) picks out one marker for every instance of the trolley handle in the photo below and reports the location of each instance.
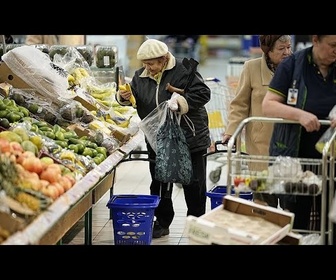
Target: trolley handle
(220, 147)
(238, 131)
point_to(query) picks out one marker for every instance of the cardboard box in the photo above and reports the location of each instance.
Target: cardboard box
(86, 104)
(80, 130)
(9, 225)
(6, 75)
(240, 222)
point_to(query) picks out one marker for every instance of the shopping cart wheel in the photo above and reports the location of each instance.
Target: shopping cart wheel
(214, 175)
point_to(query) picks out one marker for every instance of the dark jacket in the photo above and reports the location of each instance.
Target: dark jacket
(197, 95)
(286, 138)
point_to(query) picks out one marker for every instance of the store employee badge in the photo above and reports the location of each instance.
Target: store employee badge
(292, 95)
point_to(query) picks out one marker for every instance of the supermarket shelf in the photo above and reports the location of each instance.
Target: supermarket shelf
(52, 224)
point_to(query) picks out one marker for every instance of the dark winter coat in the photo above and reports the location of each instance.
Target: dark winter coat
(148, 94)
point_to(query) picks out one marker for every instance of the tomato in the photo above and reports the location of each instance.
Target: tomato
(237, 180)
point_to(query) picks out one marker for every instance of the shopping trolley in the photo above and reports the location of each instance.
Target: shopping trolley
(218, 107)
(285, 175)
(218, 110)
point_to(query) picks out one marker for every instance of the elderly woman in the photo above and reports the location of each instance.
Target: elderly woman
(150, 86)
(252, 87)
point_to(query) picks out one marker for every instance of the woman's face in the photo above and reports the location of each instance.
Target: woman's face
(154, 66)
(325, 48)
(280, 51)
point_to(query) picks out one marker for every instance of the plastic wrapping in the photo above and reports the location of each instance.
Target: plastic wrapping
(151, 123)
(328, 134)
(57, 49)
(43, 48)
(35, 68)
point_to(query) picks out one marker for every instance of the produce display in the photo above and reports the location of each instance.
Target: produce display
(49, 143)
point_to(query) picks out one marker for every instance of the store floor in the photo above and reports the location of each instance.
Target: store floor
(133, 177)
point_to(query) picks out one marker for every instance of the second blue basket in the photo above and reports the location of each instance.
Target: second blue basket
(217, 193)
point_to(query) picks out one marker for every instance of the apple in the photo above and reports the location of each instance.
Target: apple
(65, 183)
(50, 191)
(4, 145)
(16, 147)
(59, 187)
(32, 164)
(47, 160)
(51, 175)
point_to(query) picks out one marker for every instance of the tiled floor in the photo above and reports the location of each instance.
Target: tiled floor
(133, 178)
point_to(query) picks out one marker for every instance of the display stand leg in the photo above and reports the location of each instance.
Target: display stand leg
(88, 227)
(111, 194)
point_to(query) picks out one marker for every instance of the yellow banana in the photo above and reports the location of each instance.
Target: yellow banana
(126, 123)
(107, 103)
(69, 155)
(110, 121)
(83, 72)
(101, 95)
(127, 87)
(71, 80)
(121, 109)
(133, 101)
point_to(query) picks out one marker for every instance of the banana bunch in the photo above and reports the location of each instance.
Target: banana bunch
(68, 155)
(125, 123)
(114, 118)
(101, 93)
(77, 75)
(127, 87)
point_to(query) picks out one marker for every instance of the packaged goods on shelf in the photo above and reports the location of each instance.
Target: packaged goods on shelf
(57, 49)
(106, 56)
(87, 52)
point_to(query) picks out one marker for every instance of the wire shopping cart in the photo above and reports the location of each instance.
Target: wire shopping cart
(286, 175)
(218, 110)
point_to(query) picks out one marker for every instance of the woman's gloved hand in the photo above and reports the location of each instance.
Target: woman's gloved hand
(178, 103)
(172, 102)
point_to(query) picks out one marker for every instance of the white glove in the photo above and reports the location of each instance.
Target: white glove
(172, 102)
